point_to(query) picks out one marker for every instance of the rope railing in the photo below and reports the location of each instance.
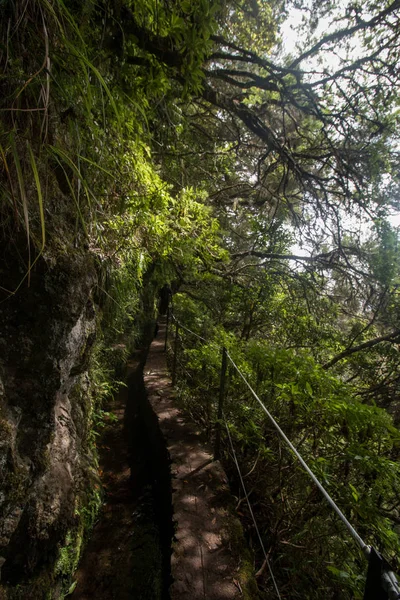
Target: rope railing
(381, 582)
(199, 337)
(251, 509)
(364, 547)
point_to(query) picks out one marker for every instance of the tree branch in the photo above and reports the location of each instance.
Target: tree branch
(337, 36)
(393, 337)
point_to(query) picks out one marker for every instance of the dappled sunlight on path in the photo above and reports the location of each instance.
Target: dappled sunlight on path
(203, 565)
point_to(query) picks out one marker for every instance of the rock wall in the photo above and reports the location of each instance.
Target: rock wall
(46, 335)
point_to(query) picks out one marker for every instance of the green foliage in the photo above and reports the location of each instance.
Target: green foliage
(384, 254)
(353, 448)
(162, 138)
(69, 554)
(94, 156)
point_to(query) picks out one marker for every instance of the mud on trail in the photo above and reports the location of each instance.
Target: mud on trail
(128, 555)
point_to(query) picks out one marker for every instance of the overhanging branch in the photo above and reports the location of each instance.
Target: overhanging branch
(393, 337)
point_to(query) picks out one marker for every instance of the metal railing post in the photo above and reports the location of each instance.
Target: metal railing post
(222, 384)
(175, 353)
(166, 331)
(381, 583)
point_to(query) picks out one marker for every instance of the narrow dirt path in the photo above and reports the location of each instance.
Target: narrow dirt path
(205, 564)
(124, 559)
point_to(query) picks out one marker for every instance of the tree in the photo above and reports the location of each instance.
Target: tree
(176, 141)
(295, 140)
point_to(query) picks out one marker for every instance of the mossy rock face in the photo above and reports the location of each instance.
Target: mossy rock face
(46, 341)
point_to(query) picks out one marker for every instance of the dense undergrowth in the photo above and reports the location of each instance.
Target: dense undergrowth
(353, 448)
